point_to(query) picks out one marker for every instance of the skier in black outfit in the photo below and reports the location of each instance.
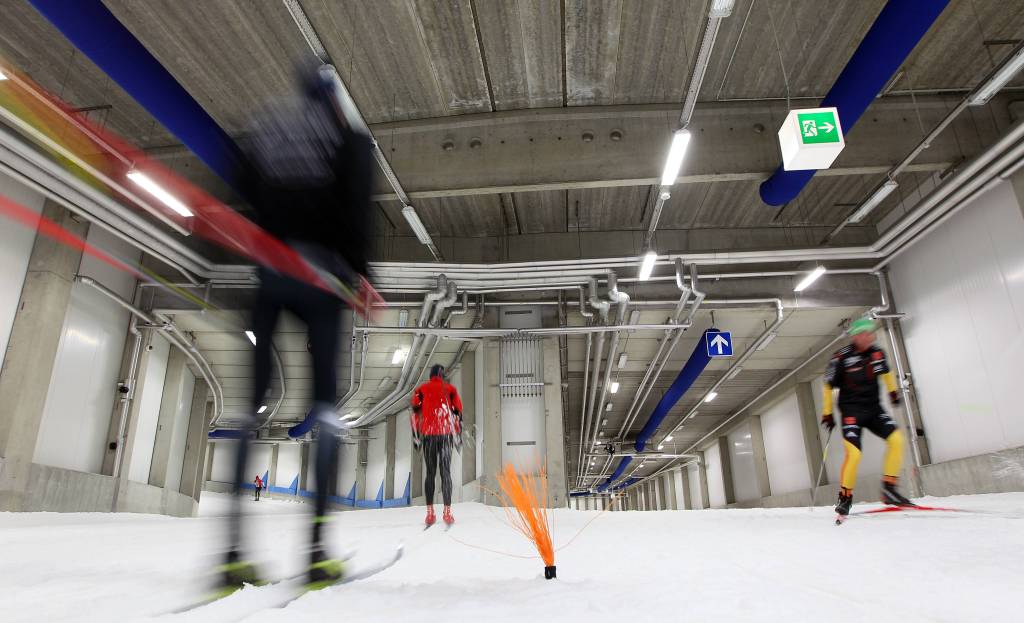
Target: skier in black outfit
(308, 176)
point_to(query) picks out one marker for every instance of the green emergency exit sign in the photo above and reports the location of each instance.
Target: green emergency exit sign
(819, 127)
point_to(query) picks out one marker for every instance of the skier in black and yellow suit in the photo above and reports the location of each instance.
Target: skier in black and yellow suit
(854, 371)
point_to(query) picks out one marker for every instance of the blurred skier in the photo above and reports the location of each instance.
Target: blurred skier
(308, 176)
(854, 371)
(437, 427)
(259, 486)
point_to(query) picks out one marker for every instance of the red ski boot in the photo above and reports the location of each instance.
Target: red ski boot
(431, 518)
(448, 517)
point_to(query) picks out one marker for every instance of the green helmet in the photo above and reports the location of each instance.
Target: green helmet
(861, 325)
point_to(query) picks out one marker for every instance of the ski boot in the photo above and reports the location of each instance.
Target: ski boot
(448, 517)
(431, 518)
(323, 571)
(233, 575)
(843, 505)
(891, 496)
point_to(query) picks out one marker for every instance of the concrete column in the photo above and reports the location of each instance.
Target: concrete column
(702, 473)
(810, 425)
(672, 500)
(362, 458)
(193, 467)
(760, 456)
(131, 425)
(416, 490)
(663, 495)
(275, 451)
(31, 352)
(208, 467)
(723, 456)
(684, 474)
(304, 452)
(171, 399)
(390, 435)
(553, 424)
(468, 371)
(491, 421)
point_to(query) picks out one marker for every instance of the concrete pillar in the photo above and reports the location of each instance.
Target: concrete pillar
(684, 474)
(362, 458)
(663, 497)
(416, 490)
(127, 442)
(702, 472)
(491, 421)
(208, 467)
(810, 425)
(553, 424)
(275, 451)
(304, 452)
(760, 456)
(468, 371)
(193, 468)
(31, 352)
(672, 499)
(727, 482)
(390, 436)
(171, 400)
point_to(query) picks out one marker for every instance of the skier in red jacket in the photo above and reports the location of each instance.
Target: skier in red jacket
(259, 486)
(436, 427)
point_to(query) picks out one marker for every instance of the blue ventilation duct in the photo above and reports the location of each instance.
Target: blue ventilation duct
(695, 365)
(94, 30)
(889, 41)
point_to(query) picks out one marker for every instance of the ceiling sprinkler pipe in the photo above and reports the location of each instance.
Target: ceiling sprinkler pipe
(622, 300)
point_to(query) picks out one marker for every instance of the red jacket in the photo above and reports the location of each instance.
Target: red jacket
(258, 482)
(436, 408)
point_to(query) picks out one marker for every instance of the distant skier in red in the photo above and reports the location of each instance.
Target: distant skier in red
(259, 486)
(436, 427)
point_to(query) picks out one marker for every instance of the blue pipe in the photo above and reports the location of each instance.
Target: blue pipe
(887, 44)
(693, 368)
(94, 30)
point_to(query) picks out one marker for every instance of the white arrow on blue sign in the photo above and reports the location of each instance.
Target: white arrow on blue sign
(718, 343)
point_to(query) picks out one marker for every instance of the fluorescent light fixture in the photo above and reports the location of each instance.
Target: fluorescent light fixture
(647, 265)
(676, 153)
(661, 446)
(3, 76)
(735, 372)
(721, 8)
(399, 356)
(416, 224)
(615, 387)
(768, 340)
(1006, 71)
(157, 191)
(623, 358)
(809, 279)
(669, 438)
(251, 336)
(403, 318)
(608, 407)
(872, 202)
(634, 316)
(694, 414)
(604, 422)
(665, 195)
(347, 416)
(261, 409)
(711, 397)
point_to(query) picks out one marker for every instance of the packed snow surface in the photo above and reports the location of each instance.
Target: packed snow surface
(713, 565)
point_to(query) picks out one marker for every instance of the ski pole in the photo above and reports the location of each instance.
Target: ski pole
(817, 481)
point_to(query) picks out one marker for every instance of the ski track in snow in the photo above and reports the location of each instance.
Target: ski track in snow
(717, 565)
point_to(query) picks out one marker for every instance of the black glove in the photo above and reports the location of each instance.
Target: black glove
(417, 440)
(894, 398)
(828, 422)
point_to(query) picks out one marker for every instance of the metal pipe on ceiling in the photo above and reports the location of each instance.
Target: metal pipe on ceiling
(601, 309)
(621, 299)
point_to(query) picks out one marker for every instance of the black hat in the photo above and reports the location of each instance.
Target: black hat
(437, 370)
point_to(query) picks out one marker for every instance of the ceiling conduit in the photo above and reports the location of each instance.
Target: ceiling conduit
(890, 40)
(695, 365)
(94, 30)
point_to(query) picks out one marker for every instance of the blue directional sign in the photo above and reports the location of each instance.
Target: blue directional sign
(718, 343)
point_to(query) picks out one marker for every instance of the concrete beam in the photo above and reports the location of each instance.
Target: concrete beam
(32, 350)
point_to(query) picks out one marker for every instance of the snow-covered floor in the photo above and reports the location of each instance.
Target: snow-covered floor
(725, 565)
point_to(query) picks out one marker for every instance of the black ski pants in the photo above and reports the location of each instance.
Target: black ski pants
(437, 450)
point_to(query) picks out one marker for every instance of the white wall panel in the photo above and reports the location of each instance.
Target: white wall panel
(149, 411)
(377, 462)
(696, 498)
(784, 446)
(403, 453)
(347, 464)
(289, 464)
(223, 469)
(176, 458)
(15, 248)
(716, 485)
(83, 385)
(259, 461)
(962, 289)
(741, 455)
